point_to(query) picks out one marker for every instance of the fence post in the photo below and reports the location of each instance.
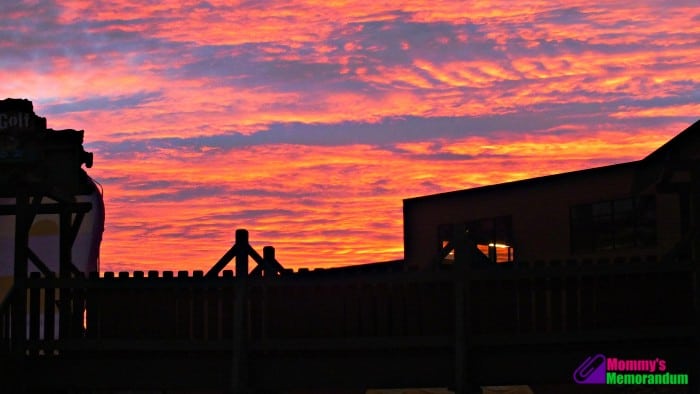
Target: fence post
(269, 259)
(464, 359)
(695, 255)
(242, 253)
(18, 324)
(19, 307)
(239, 371)
(65, 296)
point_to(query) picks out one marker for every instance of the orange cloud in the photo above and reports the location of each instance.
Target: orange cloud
(328, 206)
(308, 122)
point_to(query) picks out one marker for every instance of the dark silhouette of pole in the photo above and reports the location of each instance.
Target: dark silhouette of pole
(242, 253)
(24, 218)
(269, 259)
(239, 373)
(463, 358)
(694, 378)
(64, 271)
(23, 222)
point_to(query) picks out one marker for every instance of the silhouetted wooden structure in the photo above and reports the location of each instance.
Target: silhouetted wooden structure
(498, 324)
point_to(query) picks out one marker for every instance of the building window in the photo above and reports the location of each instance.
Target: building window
(491, 238)
(614, 224)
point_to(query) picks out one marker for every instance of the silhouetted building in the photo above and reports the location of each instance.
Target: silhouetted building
(45, 166)
(640, 208)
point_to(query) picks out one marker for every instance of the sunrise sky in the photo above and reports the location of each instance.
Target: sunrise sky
(308, 122)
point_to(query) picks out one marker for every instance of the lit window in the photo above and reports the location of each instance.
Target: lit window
(451, 254)
(490, 237)
(497, 252)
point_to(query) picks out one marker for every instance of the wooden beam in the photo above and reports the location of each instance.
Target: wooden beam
(223, 261)
(38, 263)
(75, 226)
(255, 255)
(73, 207)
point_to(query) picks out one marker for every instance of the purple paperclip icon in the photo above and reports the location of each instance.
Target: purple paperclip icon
(591, 371)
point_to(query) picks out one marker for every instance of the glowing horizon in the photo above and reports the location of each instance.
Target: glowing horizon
(308, 123)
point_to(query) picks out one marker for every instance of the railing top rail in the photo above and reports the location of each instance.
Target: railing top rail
(197, 279)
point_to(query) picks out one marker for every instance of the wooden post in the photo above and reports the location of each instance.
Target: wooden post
(64, 272)
(239, 371)
(34, 312)
(269, 259)
(695, 254)
(18, 324)
(464, 362)
(19, 315)
(50, 309)
(242, 253)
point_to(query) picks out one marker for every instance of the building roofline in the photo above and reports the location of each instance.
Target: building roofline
(672, 146)
(665, 152)
(526, 182)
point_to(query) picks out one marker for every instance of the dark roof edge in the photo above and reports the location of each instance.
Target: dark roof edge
(526, 182)
(667, 149)
(664, 151)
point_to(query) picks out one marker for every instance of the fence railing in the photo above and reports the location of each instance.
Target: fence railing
(529, 302)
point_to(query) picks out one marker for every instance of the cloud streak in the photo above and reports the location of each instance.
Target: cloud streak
(309, 122)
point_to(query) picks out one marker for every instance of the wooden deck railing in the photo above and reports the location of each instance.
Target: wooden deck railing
(456, 318)
(523, 301)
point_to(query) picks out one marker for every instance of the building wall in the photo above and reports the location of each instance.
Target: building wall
(540, 211)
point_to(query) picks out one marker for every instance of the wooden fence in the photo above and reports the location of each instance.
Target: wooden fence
(453, 314)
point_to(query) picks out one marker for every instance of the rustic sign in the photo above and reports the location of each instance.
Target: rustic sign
(15, 121)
